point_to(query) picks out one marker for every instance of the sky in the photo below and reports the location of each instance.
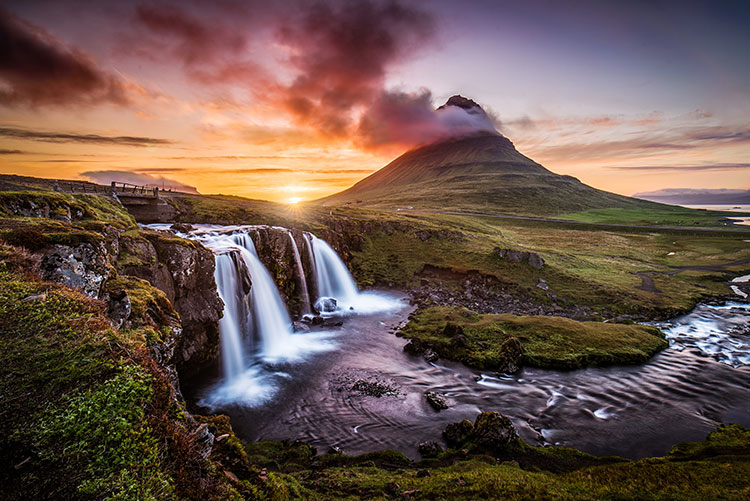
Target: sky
(294, 100)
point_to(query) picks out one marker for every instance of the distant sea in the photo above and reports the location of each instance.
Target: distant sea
(725, 207)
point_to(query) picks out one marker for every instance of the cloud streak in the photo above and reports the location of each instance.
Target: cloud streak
(60, 137)
(38, 70)
(121, 176)
(706, 167)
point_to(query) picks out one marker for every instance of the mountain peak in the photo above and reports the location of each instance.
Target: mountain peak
(461, 102)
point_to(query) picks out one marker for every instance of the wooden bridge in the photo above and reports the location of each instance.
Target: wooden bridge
(114, 188)
(143, 202)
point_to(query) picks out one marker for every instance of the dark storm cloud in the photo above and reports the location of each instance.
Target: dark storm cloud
(341, 52)
(211, 45)
(59, 137)
(37, 69)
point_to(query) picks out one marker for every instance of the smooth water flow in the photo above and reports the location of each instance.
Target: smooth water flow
(304, 295)
(270, 318)
(228, 283)
(333, 278)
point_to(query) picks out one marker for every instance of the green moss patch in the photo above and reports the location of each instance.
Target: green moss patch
(549, 342)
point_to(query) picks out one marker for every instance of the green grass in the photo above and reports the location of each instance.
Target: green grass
(666, 215)
(549, 342)
(725, 476)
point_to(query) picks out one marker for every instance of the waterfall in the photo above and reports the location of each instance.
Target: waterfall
(228, 283)
(304, 295)
(255, 330)
(332, 276)
(270, 317)
(308, 242)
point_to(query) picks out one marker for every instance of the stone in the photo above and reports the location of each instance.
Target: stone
(429, 449)
(300, 327)
(318, 320)
(512, 353)
(182, 227)
(542, 284)
(415, 347)
(423, 473)
(83, 266)
(493, 431)
(326, 305)
(455, 434)
(119, 307)
(436, 400)
(515, 256)
(335, 450)
(429, 355)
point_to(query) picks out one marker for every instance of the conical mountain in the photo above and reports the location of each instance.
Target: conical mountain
(478, 171)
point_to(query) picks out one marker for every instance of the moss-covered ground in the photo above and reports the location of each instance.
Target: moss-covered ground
(546, 341)
(717, 468)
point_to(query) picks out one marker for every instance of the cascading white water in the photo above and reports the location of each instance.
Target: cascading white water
(230, 325)
(304, 295)
(270, 318)
(254, 310)
(332, 276)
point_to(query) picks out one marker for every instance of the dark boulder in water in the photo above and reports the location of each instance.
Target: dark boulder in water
(436, 400)
(455, 434)
(491, 432)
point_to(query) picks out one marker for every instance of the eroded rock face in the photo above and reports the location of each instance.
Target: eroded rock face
(184, 271)
(82, 266)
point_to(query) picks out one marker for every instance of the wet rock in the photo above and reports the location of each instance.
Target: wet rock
(364, 383)
(334, 449)
(456, 434)
(542, 284)
(511, 351)
(83, 266)
(182, 227)
(326, 305)
(119, 307)
(300, 327)
(429, 355)
(415, 347)
(317, 320)
(493, 431)
(423, 473)
(436, 400)
(429, 449)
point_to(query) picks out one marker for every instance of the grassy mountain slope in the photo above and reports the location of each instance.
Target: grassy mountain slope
(482, 173)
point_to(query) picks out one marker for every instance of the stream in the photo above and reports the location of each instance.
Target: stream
(322, 392)
(681, 394)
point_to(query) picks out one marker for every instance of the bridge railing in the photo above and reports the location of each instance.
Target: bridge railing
(136, 189)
